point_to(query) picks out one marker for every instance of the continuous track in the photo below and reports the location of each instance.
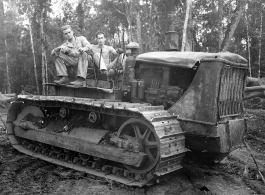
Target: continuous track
(165, 127)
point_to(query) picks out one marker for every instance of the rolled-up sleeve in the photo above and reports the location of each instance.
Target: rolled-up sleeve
(85, 43)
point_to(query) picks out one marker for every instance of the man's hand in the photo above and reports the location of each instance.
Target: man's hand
(82, 49)
(55, 50)
(64, 49)
(119, 51)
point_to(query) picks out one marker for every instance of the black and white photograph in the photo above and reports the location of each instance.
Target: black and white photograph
(132, 97)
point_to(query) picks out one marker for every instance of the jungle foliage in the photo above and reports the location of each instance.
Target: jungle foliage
(213, 26)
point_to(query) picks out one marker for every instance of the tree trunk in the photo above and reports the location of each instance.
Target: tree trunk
(234, 24)
(220, 25)
(260, 38)
(119, 38)
(135, 10)
(46, 69)
(248, 47)
(3, 27)
(139, 31)
(185, 26)
(123, 37)
(189, 38)
(43, 55)
(8, 85)
(129, 20)
(34, 60)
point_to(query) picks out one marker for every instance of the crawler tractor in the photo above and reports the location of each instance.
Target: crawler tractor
(136, 125)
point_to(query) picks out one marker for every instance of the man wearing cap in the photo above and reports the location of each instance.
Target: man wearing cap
(71, 53)
(102, 54)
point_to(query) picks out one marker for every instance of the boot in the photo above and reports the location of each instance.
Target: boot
(103, 74)
(57, 80)
(80, 82)
(63, 80)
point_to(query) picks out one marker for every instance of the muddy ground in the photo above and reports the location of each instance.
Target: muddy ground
(237, 174)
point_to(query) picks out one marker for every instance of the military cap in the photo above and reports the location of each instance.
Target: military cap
(65, 27)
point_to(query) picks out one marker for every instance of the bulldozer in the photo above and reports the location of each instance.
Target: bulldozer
(135, 126)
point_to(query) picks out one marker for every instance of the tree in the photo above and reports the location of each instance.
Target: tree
(127, 6)
(3, 26)
(43, 53)
(81, 15)
(220, 24)
(28, 15)
(26, 8)
(138, 24)
(37, 12)
(248, 42)
(260, 37)
(256, 38)
(232, 27)
(34, 59)
(185, 26)
(211, 25)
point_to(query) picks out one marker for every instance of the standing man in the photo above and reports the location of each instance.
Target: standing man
(102, 54)
(72, 53)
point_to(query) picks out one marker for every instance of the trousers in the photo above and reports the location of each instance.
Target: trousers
(115, 64)
(81, 60)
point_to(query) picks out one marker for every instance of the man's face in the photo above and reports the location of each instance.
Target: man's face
(68, 34)
(101, 39)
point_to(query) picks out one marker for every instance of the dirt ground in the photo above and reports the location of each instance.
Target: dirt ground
(237, 174)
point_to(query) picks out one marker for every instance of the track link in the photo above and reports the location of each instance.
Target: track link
(171, 137)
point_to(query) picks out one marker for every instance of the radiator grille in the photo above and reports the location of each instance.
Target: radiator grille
(231, 91)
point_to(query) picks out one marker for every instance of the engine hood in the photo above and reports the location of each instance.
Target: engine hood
(188, 59)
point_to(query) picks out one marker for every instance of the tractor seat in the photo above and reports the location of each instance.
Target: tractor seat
(93, 73)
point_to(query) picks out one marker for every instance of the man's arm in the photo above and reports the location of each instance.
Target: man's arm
(85, 44)
(115, 63)
(116, 51)
(61, 47)
(113, 51)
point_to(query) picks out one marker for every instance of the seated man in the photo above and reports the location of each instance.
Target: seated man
(71, 53)
(102, 54)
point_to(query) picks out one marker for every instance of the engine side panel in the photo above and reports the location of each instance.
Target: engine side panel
(199, 102)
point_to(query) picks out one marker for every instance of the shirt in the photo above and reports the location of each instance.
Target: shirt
(75, 44)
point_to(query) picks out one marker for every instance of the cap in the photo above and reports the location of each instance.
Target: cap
(132, 45)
